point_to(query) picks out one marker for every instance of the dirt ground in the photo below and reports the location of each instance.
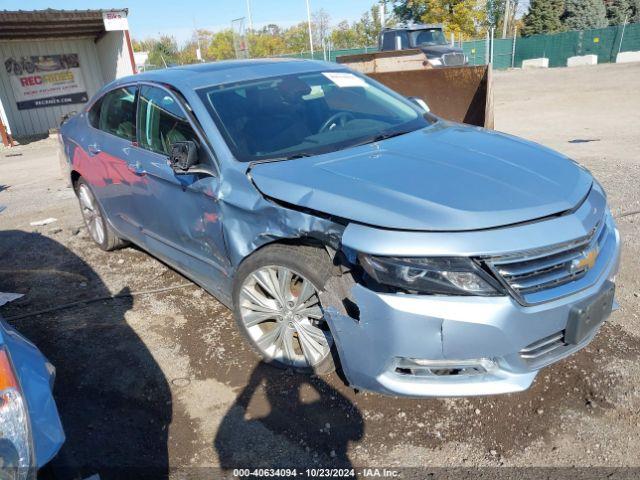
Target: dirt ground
(162, 382)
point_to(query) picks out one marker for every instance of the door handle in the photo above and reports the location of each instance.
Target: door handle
(93, 149)
(135, 168)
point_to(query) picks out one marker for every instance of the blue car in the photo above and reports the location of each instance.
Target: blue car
(30, 430)
(345, 224)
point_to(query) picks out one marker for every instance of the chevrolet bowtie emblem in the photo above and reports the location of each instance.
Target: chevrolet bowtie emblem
(586, 261)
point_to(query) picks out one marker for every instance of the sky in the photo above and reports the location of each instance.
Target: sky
(149, 18)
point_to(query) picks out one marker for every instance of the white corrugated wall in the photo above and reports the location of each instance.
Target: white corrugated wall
(40, 120)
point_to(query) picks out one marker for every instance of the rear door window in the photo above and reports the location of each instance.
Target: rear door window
(389, 41)
(115, 113)
(161, 121)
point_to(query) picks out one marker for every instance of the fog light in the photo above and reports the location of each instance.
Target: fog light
(424, 367)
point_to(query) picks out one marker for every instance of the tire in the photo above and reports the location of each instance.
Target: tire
(307, 328)
(95, 220)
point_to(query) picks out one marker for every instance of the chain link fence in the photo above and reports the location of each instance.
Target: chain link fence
(606, 43)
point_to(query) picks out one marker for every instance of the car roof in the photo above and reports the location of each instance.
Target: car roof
(414, 27)
(217, 73)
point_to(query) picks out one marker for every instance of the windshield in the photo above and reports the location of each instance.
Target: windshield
(307, 114)
(431, 36)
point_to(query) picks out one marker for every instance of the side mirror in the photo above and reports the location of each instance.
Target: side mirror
(183, 156)
(419, 103)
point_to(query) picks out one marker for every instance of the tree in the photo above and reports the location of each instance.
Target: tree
(187, 54)
(265, 44)
(368, 28)
(410, 10)
(584, 14)
(495, 12)
(466, 17)
(221, 46)
(544, 17)
(162, 51)
(618, 11)
(296, 38)
(634, 16)
(320, 27)
(272, 29)
(344, 36)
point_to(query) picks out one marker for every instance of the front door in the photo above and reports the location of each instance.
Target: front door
(179, 213)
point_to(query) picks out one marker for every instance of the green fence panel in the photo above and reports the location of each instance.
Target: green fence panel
(631, 38)
(476, 51)
(502, 53)
(603, 42)
(557, 48)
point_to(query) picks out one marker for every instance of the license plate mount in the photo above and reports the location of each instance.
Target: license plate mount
(585, 318)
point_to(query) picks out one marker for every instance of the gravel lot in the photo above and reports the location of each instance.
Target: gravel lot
(163, 383)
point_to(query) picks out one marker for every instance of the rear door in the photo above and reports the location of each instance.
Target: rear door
(180, 215)
(109, 164)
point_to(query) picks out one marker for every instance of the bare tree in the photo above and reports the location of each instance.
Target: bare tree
(320, 26)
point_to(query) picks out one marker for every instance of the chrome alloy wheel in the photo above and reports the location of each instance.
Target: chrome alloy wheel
(91, 214)
(281, 311)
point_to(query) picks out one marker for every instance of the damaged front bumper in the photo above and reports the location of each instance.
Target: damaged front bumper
(429, 345)
(393, 330)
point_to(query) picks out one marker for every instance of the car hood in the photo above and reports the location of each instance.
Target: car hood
(445, 177)
(439, 50)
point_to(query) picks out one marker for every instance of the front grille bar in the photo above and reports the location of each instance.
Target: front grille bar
(543, 269)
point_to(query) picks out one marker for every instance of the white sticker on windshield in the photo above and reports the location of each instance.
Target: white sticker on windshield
(345, 79)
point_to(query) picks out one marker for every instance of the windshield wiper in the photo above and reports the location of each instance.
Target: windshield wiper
(293, 156)
(382, 136)
(376, 138)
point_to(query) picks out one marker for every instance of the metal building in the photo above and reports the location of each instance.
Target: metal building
(55, 60)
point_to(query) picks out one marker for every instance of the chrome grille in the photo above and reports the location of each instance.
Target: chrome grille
(527, 273)
(453, 59)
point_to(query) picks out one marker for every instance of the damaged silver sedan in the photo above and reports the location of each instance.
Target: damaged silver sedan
(346, 225)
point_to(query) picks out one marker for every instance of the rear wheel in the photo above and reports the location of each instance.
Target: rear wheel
(278, 309)
(99, 230)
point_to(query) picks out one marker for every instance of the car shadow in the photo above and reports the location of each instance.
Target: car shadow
(26, 140)
(282, 419)
(113, 398)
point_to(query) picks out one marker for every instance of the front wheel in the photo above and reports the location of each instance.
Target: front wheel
(277, 307)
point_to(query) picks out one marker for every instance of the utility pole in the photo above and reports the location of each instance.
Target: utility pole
(249, 15)
(624, 27)
(505, 20)
(382, 13)
(198, 48)
(310, 30)
(513, 47)
(493, 33)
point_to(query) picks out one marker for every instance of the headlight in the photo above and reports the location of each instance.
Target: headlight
(15, 437)
(434, 275)
(436, 62)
